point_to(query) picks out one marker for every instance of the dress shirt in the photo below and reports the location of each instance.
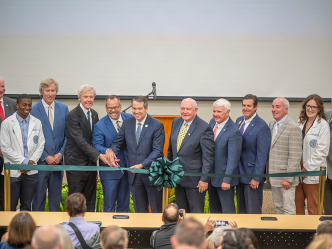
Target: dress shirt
(247, 122)
(24, 125)
(3, 107)
(120, 123)
(184, 122)
(220, 127)
(46, 107)
(279, 122)
(142, 123)
(86, 114)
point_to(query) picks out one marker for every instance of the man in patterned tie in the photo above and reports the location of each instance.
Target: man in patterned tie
(115, 183)
(328, 182)
(144, 137)
(192, 141)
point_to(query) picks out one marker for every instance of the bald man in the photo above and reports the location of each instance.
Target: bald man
(46, 237)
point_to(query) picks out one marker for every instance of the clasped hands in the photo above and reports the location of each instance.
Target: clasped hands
(54, 160)
(26, 171)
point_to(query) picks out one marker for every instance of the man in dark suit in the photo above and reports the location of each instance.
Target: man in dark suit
(192, 141)
(7, 108)
(228, 145)
(78, 150)
(328, 182)
(115, 183)
(256, 143)
(52, 114)
(144, 137)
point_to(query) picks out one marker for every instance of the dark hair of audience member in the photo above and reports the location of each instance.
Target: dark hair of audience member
(114, 237)
(171, 214)
(324, 227)
(21, 229)
(251, 235)
(23, 96)
(76, 204)
(236, 240)
(253, 97)
(322, 241)
(320, 112)
(190, 232)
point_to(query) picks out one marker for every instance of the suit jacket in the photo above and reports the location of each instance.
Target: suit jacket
(12, 143)
(256, 142)
(78, 149)
(196, 152)
(228, 146)
(104, 134)
(55, 139)
(329, 157)
(285, 152)
(150, 145)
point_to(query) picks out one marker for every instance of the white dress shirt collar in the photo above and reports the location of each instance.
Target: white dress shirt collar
(47, 105)
(114, 122)
(142, 122)
(248, 121)
(220, 127)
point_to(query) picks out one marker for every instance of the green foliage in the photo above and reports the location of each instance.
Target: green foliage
(99, 205)
(46, 204)
(206, 203)
(131, 204)
(171, 198)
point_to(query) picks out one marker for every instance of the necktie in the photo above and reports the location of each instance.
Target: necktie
(181, 136)
(138, 132)
(118, 125)
(215, 131)
(330, 123)
(50, 116)
(88, 114)
(2, 115)
(274, 133)
(242, 127)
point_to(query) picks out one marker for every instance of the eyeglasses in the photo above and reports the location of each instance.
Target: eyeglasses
(113, 108)
(314, 108)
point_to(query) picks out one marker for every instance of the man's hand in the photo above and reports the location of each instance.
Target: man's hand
(254, 184)
(1, 155)
(31, 163)
(286, 185)
(104, 159)
(97, 177)
(137, 166)
(184, 214)
(24, 171)
(49, 160)
(202, 186)
(225, 186)
(232, 224)
(210, 224)
(57, 158)
(110, 156)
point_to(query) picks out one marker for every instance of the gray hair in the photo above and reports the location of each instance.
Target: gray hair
(286, 102)
(64, 237)
(223, 103)
(114, 237)
(218, 233)
(46, 83)
(193, 102)
(84, 88)
(46, 237)
(1, 78)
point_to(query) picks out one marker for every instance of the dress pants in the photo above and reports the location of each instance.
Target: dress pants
(51, 180)
(328, 197)
(284, 200)
(249, 201)
(306, 191)
(23, 188)
(190, 199)
(143, 194)
(221, 201)
(83, 182)
(116, 191)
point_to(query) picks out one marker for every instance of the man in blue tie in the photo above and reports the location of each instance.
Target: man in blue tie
(256, 141)
(115, 183)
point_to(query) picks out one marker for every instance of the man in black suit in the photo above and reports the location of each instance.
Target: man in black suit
(192, 141)
(7, 108)
(78, 149)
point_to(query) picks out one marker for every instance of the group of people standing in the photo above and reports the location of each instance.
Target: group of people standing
(46, 133)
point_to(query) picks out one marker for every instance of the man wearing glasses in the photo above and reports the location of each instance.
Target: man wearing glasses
(115, 183)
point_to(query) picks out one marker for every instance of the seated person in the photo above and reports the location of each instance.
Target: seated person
(324, 227)
(236, 239)
(76, 208)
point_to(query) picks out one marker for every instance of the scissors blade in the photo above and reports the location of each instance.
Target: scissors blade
(117, 165)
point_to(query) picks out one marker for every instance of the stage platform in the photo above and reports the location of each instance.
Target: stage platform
(288, 231)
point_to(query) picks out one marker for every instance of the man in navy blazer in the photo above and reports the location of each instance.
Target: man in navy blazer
(52, 114)
(115, 183)
(228, 146)
(144, 137)
(192, 141)
(256, 144)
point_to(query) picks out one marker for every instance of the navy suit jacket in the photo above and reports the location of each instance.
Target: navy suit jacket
(228, 146)
(55, 140)
(255, 148)
(196, 152)
(150, 145)
(104, 134)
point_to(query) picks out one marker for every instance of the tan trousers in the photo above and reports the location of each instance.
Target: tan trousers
(306, 191)
(284, 200)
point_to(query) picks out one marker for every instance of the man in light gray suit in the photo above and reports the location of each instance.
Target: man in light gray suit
(7, 108)
(328, 182)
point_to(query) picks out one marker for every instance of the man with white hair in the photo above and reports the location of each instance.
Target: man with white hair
(285, 157)
(78, 150)
(114, 237)
(192, 141)
(46, 237)
(228, 146)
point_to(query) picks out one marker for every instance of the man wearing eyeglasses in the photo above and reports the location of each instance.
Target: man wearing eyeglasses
(115, 183)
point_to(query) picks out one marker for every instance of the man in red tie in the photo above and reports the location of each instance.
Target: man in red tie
(7, 108)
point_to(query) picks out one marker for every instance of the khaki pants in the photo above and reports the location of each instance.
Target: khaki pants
(306, 191)
(284, 200)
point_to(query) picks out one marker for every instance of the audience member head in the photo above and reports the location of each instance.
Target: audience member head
(189, 233)
(249, 105)
(209, 242)
(322, 241)
(236, 240)
(20, 230)
(324, 227)
(48, 89)
(86, 96)
(171, 214)
(2, 87)
(218, 234)
(312, 106)
(76, 205)
(251, 235)
(23, 105)
(46, 237)
(4, 237)
(280, 107)
(139, 107)
(113, 107)
(113, 237)
(64, 237)
(188, 109)
(221, 110)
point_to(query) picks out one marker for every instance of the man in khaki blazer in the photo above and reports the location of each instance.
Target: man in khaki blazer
(285, 156)
(328, 182)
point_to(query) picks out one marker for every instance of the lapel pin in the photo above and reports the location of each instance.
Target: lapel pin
(224, 129)
(6, 105)
(146, 125)
(188, 134)
(240, 121)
